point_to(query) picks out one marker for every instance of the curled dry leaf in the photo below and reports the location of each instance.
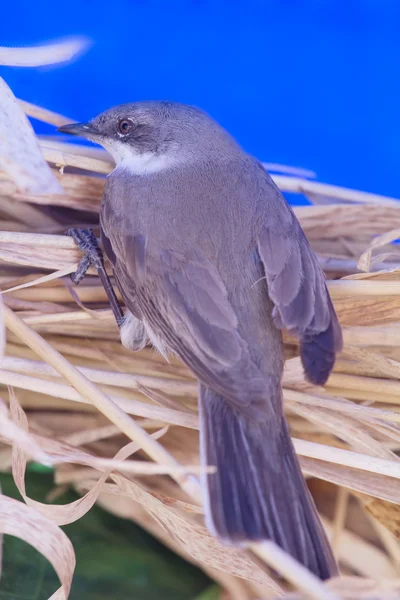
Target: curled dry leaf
(13, 434)
(68, 513)
(44, 279)
(365, 258)
(20, 154)
(29, 525)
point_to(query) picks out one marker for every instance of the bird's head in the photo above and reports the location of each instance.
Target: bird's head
(150, 136)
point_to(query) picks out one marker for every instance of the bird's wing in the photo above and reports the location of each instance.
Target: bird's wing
(296, 283)
(107, 247)
(185, 303)
(112, 257)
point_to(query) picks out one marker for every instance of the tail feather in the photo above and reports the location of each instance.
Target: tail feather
(318, 350)
(258, 492)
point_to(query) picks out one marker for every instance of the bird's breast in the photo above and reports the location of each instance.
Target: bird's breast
(209, 207)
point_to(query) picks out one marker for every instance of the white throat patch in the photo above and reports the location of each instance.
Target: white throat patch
(138, 164)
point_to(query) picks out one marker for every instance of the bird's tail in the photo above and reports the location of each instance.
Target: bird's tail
(258, 491)
(318, 350)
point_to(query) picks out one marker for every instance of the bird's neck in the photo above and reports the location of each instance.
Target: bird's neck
(146, 163)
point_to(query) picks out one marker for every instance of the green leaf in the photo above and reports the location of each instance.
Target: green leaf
(211, 593)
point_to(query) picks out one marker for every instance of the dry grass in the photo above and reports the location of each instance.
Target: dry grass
(81, 402)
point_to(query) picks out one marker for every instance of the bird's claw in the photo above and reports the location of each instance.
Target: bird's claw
(93, 256)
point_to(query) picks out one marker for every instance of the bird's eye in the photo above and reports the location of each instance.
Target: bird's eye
(125, 126)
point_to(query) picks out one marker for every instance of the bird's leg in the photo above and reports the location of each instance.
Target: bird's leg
(93, 256)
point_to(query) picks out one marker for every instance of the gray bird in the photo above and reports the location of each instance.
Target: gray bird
(212, 264)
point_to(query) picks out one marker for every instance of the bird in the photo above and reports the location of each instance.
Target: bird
(212, 264)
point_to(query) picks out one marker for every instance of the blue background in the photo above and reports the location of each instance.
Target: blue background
(308, 83)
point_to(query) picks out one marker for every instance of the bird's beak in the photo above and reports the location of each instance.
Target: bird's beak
(82, 129)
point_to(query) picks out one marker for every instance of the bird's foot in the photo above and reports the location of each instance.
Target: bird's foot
(93, 256)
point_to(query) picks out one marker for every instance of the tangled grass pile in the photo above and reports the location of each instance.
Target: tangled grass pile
(76, 399)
